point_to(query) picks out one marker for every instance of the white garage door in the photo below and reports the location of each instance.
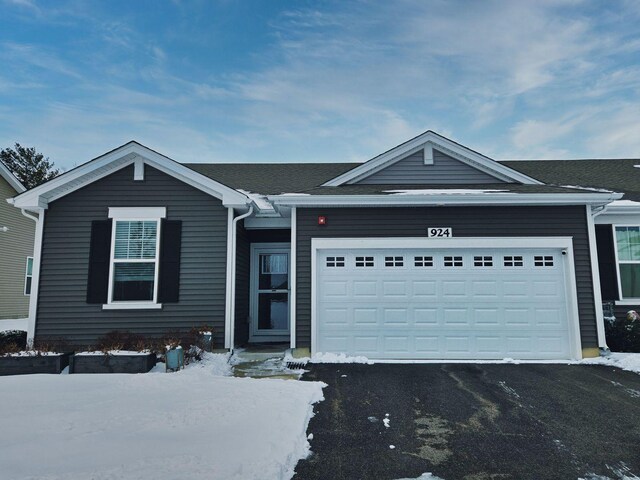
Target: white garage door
(417, 303)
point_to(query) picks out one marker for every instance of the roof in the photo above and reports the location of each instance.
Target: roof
(11, 178)
(619, 175)
(131, 153)
(272, 178)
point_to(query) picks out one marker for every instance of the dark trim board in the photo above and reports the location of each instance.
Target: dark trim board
(567, 221)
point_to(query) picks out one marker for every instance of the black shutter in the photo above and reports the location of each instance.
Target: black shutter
(169, 275)
(99, 257)
(607, 263)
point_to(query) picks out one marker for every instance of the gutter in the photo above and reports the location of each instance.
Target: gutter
(231, 277)
(445, 199)
(35, 273)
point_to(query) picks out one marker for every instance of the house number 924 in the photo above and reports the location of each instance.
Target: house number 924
(439, 232)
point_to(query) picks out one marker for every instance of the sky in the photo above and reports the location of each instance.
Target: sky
(321, 81)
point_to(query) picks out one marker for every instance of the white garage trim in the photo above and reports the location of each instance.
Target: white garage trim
(564, 243)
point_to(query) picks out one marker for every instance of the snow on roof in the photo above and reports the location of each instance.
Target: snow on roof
(443, 191)
(260, 200)
(592, 189)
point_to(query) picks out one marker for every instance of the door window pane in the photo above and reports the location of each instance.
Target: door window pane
(274, 271)
(630, 280)
(273, 311)
(628, 242)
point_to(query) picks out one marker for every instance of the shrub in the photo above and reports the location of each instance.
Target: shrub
(121, 340)
(191, 341)
(12, 341)
(623, 334)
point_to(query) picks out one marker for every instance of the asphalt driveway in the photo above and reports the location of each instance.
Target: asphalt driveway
(474, 422)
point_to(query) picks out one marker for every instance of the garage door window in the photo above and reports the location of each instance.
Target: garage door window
(393, 261)
(453, 261)
(483, 261)
(364, 262)
(335, 261)
(423, 261)
(513, 261)
(628, 248)
(543, 261)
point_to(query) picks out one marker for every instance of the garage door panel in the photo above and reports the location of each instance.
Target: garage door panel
(365, 289)
(498, 304)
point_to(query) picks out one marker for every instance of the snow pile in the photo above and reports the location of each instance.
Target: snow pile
(215, 364)
(189, 424)
(115, 353)
(321, 357)
(31, 353)
(624, 361)
(424, 476)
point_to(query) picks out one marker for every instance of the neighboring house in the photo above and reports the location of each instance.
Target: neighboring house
(16, 254)
(428, 251)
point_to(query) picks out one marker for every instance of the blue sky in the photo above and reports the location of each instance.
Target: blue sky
(268, 81)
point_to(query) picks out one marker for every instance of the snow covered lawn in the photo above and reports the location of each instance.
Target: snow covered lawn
(191, 424)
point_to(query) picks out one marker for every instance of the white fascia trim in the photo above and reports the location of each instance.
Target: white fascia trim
(565, 243)
(132, 306)
(11, 178)
(137, 213)
(36, 196)
(292, 276)
(445, 199)
(439, 143)
(595, 278)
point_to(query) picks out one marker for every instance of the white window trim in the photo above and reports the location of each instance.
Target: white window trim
(623, 300)
(26, 275)
(134, 214)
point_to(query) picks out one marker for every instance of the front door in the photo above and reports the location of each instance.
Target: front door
(270, 293)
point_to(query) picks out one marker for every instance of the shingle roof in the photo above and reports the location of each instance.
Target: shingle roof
(271, 178)
(619, 175)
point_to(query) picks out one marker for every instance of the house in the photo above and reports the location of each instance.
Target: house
(16, 255)
(430, 250)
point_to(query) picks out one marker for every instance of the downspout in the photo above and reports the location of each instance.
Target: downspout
(35, 273)
(230, 335)
(595, 275)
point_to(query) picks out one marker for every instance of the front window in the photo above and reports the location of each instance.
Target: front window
(628, 249)
(135, 245)
(134, 260)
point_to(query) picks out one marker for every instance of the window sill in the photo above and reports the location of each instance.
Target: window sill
(132, 306)
(632, 301)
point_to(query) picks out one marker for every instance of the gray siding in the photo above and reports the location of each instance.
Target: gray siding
(466, 222)
(243, 256)
(62, 307)
(445, 170)
(16, 245)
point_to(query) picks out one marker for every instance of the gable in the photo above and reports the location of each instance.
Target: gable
(429, 143)
(444, 170)
(131, 153)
